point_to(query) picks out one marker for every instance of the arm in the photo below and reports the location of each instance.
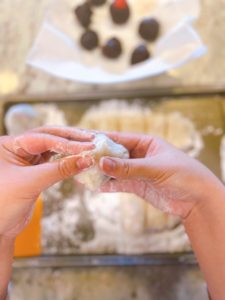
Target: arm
(6, 258)
(206, 229)
(177, 184)
(25, 171)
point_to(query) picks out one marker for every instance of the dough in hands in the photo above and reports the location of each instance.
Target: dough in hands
(93, 178)
(138, 217)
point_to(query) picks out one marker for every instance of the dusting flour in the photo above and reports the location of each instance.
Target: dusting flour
(121, 222)
(78, 221)
(106, 234)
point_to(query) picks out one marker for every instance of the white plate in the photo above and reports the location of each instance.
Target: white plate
(57, 52)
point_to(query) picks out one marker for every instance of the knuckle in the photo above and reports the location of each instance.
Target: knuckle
(126, 169)
(41, 128)
(64, 169)
(5, 139)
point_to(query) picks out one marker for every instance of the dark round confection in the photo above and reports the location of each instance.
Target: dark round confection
(112, 48)
(97, 2)
(84, 14)
(89, 40)
(140, 54)
(149, 29)
(119, 15)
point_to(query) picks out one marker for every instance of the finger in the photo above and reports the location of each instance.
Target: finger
(125, 168)
(39, 143)
(137, 144)
(70, 133)
(128, 140)
(47, 174)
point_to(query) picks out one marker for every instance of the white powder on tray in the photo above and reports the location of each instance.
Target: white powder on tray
(104, 214)
(101, 214)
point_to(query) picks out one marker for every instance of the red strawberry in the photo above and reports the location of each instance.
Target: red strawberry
(120, 4)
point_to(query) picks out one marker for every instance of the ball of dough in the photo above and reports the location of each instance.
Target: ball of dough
(93, 178)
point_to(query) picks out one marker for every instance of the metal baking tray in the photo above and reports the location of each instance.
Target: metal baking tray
(72, 261)
(203, 106)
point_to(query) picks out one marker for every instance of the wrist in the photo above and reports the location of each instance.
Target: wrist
(205, 226)
(209, 204)
(6, 260)
(6, 241)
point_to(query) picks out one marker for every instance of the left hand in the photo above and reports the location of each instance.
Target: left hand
(25, 170)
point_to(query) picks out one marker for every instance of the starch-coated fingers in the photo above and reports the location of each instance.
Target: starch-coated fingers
(47, 174)
(126, 168)
(38, 143)
(70, 133)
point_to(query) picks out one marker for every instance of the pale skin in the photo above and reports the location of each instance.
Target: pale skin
(25, 173)
(180, 185)
(156, 171)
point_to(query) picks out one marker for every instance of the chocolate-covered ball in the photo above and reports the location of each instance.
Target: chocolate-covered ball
(112, 48)
(149, 29)
(97, 2)
(140, 54)
(89, 40)
(120, 12)
(84, 14)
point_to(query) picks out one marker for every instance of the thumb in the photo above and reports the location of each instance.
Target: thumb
(125, 168)
(47, 174)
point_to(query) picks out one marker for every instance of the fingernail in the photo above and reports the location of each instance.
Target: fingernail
(109, 164)
(85, 162)
(89, 133)
(92, 135)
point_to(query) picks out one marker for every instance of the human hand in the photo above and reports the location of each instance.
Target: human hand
(25, 170)
(158, 172)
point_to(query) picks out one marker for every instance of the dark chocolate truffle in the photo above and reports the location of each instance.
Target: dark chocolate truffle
(97, 2)
(149, 29)
(140, 54)
(112, 48)
(89, 40)
(120, 11)
(84, 13)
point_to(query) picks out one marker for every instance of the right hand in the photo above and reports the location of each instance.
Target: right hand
(159, 173)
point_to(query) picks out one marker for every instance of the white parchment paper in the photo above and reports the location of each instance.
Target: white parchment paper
(57, 50)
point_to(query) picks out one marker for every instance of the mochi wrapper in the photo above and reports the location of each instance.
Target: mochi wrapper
(93, 178)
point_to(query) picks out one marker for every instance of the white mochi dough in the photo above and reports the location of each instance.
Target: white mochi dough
(93, 178)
